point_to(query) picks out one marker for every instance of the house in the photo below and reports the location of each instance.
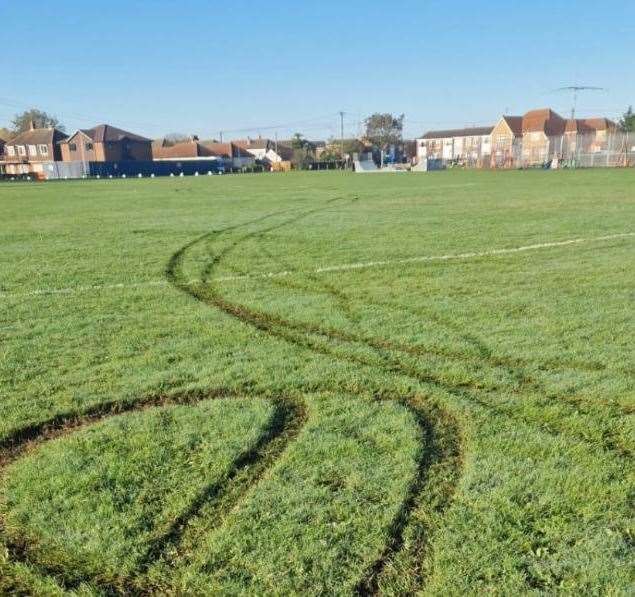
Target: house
(540, 135)
(2, 144)
(235, 156)
(507, 141)
(543, 131)
(266, 150)
(184, 150)
(468, 144)
(588, 135)
(105, 143)
(27, 152)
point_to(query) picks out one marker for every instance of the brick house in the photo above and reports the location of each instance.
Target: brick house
(456, 144)
(588, 135)
(184, 150)
(27, 152)
(105, 143)
(507, 141)
(543, 131)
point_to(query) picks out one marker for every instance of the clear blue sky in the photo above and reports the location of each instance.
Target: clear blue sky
(200, 66)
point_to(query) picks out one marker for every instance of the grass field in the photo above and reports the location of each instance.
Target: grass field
(318, 384)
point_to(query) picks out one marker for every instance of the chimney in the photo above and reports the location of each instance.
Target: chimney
(31, 125)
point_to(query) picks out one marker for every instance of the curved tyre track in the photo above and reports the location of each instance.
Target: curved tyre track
(441, 457)
(249, 466)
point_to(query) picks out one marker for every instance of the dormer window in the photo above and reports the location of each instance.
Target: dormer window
(32, 150)
(44, 150)
(21, 150)
(10, 150)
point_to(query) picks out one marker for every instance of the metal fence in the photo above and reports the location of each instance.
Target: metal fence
(596, 150)
(601, 150)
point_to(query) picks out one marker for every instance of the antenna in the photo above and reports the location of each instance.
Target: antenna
(576, 89)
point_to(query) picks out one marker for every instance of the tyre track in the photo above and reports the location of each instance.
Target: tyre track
(303, 335)
(249, 466)
(441, 452)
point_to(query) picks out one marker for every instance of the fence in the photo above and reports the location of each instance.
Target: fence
(130, 169)
(603, 149)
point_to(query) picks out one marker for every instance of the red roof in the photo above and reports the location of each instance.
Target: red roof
(186, 149)
(105, 133)
(589, 125)
(227, 150)
(544, 121)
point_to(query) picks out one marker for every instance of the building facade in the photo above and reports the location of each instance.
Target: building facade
(28, 152)
(469, 144)
(105, 143)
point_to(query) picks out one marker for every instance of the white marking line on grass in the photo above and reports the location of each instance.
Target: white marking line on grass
(329, 268)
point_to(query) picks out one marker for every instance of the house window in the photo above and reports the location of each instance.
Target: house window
(32, 150)
(21, 150)
(44, 150)
(10, 150)
(88, 146)
(72, 147)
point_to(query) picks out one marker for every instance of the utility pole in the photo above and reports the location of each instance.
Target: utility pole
(342, 134)
(221, 136)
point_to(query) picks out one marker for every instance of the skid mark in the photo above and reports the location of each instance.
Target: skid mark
(289, 417)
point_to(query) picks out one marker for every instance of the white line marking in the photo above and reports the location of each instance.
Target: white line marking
(329, 268)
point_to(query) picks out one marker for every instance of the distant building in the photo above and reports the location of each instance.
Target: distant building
(184, 150)
(105, 143)
(233, 154)
(27, 152)
(542, 136)
(588, 135)
(455, 144)
(507, 141)
(266, 150)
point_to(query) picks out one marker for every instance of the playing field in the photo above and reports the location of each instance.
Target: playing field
(318, 384)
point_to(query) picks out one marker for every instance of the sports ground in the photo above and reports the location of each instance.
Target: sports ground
(318, 383)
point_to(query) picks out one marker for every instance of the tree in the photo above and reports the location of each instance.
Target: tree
(5, 134)
(302, 151)
(627, 122)
(173, 138)
(34, 118)
(384, 130)
(299, 142)
(334, 147)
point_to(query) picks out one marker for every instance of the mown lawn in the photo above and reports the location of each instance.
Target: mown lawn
(318, 383)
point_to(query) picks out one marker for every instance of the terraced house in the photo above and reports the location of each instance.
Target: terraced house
(29, 151)
(105, 143)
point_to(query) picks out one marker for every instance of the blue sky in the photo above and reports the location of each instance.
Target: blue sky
(196, 66)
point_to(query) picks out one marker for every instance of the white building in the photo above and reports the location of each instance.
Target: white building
(470, 144)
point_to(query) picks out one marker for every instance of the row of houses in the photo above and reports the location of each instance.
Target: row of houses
(532, 139)
(42, 151)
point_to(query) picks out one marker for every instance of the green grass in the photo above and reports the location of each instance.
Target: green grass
(445, 426)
